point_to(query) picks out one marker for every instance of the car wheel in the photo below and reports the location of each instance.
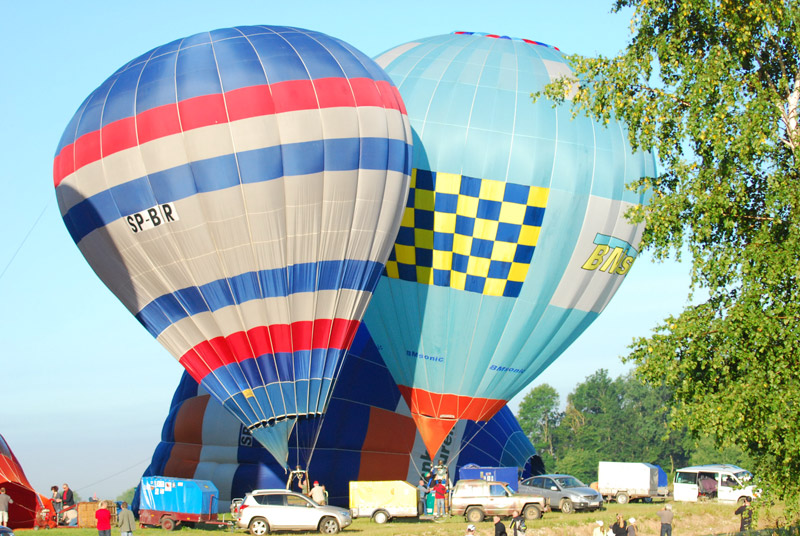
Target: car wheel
(531, 512)
(380, 517)
(167, 523)
(474, 514)
(328, 525)
(566, 506)
(259, 526)
(622, 498)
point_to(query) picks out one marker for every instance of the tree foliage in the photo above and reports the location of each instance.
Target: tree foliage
(127, 495)
(712, 86)
(622, 420)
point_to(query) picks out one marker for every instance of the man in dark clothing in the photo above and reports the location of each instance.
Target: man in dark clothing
(747, 515)
(517, 523)
(499, 528)
(66, 497)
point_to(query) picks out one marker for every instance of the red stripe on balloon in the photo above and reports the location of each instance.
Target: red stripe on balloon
(243, 103)
(307, 335)
(151, 125)
(202, 111)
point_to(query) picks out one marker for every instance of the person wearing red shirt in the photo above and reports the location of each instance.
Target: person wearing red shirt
(439, 492)
(103, 517)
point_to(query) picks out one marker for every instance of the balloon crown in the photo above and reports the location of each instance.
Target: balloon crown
(495, 36)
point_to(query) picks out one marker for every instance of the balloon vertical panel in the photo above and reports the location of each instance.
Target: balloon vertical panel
(514, 237)
(239, 191)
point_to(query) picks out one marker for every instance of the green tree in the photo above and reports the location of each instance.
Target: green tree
(539, 415)
(706, 451)
(127, 495)
(620, 420)
(713, 87)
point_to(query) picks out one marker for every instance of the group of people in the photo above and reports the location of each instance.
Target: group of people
(621, 527)
(517, 526)
(437, 481)
(665, 516)
(317, 492)
(125, 520)
(64, 505)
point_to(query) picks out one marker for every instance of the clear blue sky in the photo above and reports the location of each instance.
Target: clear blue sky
(85, 388)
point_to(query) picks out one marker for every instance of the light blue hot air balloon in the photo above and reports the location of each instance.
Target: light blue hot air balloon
(514, 237)
(239, 191)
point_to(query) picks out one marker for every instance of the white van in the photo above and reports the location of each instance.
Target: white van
(726, 483)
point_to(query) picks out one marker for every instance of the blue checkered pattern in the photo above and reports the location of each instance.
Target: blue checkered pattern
(466, 233)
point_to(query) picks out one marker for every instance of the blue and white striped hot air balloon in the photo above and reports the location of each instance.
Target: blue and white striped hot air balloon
(239, 191)
(514, 237)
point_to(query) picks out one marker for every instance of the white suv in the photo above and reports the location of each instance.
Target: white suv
(263, 510)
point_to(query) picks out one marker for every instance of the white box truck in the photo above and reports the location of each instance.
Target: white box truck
(627, 481)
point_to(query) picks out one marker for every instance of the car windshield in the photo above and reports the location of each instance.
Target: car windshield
(569, 482)
(743, 475)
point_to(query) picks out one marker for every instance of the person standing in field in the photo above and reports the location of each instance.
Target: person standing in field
(439, 492)
(517, 524)
(422, 491)
(125, 520)
(5, 500)
(598, 530)
(620, 528)
(318, 494)
(666, 515)
(747, 515)
(632, 527)
(499, 528)
(103, 517)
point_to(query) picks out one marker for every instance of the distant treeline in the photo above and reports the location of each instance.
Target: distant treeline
(619, 420)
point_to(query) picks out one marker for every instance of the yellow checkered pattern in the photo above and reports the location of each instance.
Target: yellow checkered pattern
(466, 233)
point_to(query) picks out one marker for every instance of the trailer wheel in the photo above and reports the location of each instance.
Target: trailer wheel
(531, 512)
(474, 514)
(167, 523)
(380, 517)
(259, 526)
(566, 506)
(329, 525)
(622, 498)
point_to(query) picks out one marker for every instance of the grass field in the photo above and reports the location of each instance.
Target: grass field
(690, 520)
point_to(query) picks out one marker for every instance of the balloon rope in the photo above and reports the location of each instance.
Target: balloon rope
(27, 235)
(321, 417)
(464, 444)
(112, 476)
